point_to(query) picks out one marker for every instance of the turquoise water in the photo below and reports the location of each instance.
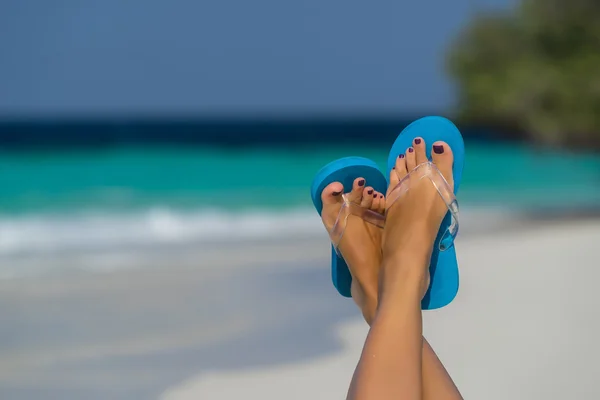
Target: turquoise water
(126, 179)
(120, 200)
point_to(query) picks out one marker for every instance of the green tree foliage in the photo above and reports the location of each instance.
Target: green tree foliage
(535, 68)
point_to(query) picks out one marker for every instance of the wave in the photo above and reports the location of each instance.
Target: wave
(155, 226)
(47, 244)
(165, 226)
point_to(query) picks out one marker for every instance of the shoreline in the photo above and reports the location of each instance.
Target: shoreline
(253, 253)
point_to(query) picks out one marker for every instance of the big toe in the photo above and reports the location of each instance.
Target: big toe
(331, 195)
(441, 155)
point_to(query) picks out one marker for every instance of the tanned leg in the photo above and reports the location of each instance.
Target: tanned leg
(397, 362)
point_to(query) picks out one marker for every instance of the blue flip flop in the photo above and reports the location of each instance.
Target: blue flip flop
(345, 171)
(444, 266)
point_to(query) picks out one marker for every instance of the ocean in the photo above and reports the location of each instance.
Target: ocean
(60, 202)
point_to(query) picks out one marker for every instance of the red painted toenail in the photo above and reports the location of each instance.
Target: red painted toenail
(417, 141)
(361, 182)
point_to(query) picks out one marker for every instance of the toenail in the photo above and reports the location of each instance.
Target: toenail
(410, 149)
(438, 149)
(370, 191)
(401, 156)
(375, 195)
(417, 141)
(361, 182)
(336, 193)
(381, 196)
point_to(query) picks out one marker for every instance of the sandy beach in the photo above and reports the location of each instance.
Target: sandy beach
(263, 321)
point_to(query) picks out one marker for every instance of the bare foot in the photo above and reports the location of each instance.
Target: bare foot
(413, 221)
(360, 244)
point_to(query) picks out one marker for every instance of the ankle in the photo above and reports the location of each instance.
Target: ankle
(412, 256)
(405, 274)
(414, 242)
(405, 290)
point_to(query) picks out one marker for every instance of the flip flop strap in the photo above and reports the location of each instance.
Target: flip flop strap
(350, 208)
(430, 170)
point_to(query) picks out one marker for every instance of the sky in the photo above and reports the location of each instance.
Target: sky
(73, 57)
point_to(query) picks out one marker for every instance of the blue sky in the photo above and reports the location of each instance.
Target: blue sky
(227, 56)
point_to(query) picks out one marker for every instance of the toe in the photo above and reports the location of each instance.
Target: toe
(367, 197)
(441, 154)
(381, 206)
(375, 195)
(332, 199)
(401, 166)
(411, 161)
(357, 190)
(332, 193)
(394, 177)
(420, 154)
(398, 172)
(376, 201)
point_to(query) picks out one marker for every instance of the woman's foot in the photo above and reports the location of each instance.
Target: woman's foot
(413, 220)
(360, 244)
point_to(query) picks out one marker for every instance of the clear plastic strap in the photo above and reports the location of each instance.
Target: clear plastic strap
(351, 208)
(430, 170)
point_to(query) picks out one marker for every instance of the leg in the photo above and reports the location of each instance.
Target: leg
(437, 383)
(390, 366)
(396, 359)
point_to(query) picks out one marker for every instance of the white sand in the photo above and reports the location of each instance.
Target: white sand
(524, 326)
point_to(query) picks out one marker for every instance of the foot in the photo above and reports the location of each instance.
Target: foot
(413, 221)
(360, 244)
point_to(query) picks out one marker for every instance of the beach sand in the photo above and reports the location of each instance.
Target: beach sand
(263, 321)
(524, 326)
